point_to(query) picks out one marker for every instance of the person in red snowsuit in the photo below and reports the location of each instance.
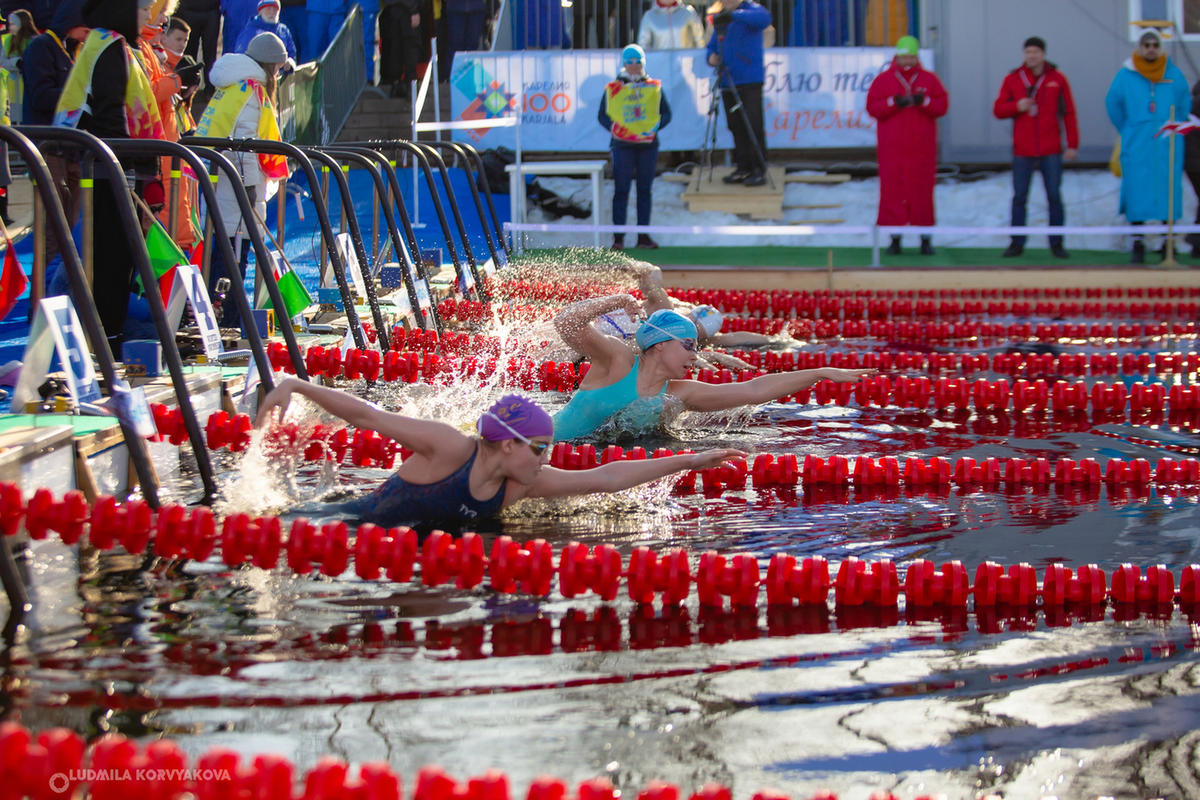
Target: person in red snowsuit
(906, 101)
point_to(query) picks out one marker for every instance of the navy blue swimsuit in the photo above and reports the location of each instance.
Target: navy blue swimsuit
(448, 501)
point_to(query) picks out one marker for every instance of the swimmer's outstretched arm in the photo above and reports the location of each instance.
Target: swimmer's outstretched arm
(699, 396)
(574, 323)
(617, 475)
(419, 435)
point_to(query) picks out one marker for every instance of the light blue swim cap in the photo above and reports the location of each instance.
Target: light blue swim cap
(632, 52)
(664, 325)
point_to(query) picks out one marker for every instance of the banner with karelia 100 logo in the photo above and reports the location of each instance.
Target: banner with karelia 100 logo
(813, 97)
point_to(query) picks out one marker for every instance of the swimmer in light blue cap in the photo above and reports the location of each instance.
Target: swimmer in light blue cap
(627, 390)
(452, 479)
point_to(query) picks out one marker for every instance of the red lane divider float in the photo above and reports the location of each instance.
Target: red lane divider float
(530, 567)
(56, 763)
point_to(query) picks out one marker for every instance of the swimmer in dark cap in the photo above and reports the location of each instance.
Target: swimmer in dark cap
(452, 478)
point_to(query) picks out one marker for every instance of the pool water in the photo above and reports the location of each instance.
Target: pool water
(1072, 702)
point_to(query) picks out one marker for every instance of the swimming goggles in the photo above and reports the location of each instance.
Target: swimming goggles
(688, 344)
(538, 448)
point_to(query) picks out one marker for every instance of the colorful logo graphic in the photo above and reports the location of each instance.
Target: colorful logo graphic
(487, 97)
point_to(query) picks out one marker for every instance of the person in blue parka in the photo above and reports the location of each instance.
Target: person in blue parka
(1147, 92)
(267, 21)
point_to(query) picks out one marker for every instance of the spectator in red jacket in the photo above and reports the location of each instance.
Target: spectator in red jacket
(906, 100)
(1035, 96)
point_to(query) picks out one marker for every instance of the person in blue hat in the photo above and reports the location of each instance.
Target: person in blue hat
(633, 109)
(632, 391)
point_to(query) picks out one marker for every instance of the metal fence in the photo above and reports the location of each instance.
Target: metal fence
(316, 100)
(611, 24)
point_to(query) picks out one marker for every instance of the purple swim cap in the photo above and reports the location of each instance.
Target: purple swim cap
(514, 416)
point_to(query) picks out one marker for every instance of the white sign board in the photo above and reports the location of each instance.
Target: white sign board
(56, 329)
(813, 97)
(206, 318)
(354, 273)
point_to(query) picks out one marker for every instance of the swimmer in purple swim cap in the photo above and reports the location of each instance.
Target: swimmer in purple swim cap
(452, 479)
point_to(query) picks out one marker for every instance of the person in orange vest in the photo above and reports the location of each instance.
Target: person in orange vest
(906, 100)
(633, 109)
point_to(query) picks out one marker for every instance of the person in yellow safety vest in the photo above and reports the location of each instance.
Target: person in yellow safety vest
(633, 109)
(243, 108)
(21, 31)
(108, 95)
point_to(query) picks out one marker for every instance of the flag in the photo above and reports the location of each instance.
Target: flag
(295, 297)
(164, 253)
(1182, 128)
(173, 295)
(12, 282)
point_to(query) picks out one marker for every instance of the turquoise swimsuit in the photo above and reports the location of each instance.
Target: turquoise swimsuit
(589, 409)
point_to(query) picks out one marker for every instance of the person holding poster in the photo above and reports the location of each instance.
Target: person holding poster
(634, 109)
(906, 100)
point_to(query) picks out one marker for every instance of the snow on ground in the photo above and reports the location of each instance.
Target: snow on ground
(1090, 197)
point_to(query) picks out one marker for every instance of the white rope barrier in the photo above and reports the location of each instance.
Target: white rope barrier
(874, 231)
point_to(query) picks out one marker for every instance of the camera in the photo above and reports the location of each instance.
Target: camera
(721, 21)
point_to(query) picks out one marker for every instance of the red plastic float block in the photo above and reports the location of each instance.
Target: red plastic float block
(1109, 397)
(832, 472)
(362, 364)
(12, 508)
(1168, 470)
(912, 392)
(581, 570)
(443, 558)
(392, 550)
(709, 791)
(1016, 587)
(221, 430)
(808, 585)
(180, 532)
(869, 472)
(772, 471)
(1184, 398)
(1147, 397)
(254, 539)
(989, 395)
(112, 754)
(1027, 395)
(924, 585)
(1085, 472)
(1157, 586)
(66, 517)
(529, 566)
(934, 471)
(659, 790)
(861, 583)
(668, 574)
(1087, 586)
(128, 523)
(370, 449)
(828, 392)
(1034, 472)
(736, 578)
(1069, 396)
(1135, 471)
(949, 392)
(325, 547)
(1189, 585)
(873, 391)
(969, 472)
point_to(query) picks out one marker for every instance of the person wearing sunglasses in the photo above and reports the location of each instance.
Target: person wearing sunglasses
(628, 392)
(1147, 92)
(452, 479)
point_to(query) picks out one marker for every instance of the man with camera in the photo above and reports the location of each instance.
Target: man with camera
(1035, 96)
(736, 51)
